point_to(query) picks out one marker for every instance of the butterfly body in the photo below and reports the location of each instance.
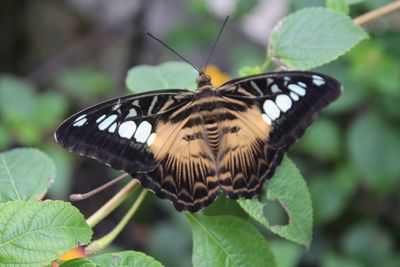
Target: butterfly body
(188, 147)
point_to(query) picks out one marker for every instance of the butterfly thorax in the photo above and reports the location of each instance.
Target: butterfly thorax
(209, 108)
(203, 80)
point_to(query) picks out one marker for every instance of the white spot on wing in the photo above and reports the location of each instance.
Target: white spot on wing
(318, 80)
(266, 119)
(269, 81)
(80, 122)
(302, 84)
(294, 96)
(112, 127)
(143, 131)
(283, 102)
(127, 129)
(117, 106)
(286, 80)
(80, 117)
(275, 89)
(271, 109)
(297, 89)
(132, 113)
(136, 103)
(107, 122)
(151, 138)
(99, 119)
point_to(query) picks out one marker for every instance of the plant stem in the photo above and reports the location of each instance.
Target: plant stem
(376, 13)
(78, 197)
(112, 204)
(106, 240)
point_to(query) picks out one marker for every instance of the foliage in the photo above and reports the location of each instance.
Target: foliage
(170, 75)
(349, 158)
(290, 190)
(35, 233)
(120, 259)
(26, 183)
(313, 36)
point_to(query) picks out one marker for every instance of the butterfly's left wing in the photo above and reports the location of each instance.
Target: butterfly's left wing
(119, 132)
(278, 107)
(150, 136)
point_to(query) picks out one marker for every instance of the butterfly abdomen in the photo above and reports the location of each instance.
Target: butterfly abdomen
(213, 135)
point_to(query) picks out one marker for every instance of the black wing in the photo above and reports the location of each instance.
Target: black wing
(289, 101)
(119, 132)
(281, 106)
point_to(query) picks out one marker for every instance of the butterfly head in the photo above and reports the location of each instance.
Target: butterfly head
(203, 80)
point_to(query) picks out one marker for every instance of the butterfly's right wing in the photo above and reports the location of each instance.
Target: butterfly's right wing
(289, 101)
(275, 110)
(119, 132)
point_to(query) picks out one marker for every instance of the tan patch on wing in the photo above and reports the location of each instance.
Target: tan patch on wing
(186, 174)
(242, 155)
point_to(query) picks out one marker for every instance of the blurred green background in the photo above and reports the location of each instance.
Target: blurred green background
(57, 57)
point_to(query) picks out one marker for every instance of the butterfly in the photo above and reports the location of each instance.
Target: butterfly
(189, 147)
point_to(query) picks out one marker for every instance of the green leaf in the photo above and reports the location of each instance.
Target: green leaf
(125, 258)
(24, 174)
(79, 263)
(118, 259)
(228, 241)
(287, 187)
(169, 75)
(341, 6)
(33, 233)
(246, 71)
(374, 149)
(313, 36)
(225, 206)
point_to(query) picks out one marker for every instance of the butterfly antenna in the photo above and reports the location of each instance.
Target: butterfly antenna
(172, 50)
(215, 42)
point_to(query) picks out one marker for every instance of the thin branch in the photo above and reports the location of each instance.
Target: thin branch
(376, 13)
(106, 240)
(112, 204)
(78, 197)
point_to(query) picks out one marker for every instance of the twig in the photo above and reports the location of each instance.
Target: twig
(103, 242)
(112, 204)
(376, 13)
(78, 197)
